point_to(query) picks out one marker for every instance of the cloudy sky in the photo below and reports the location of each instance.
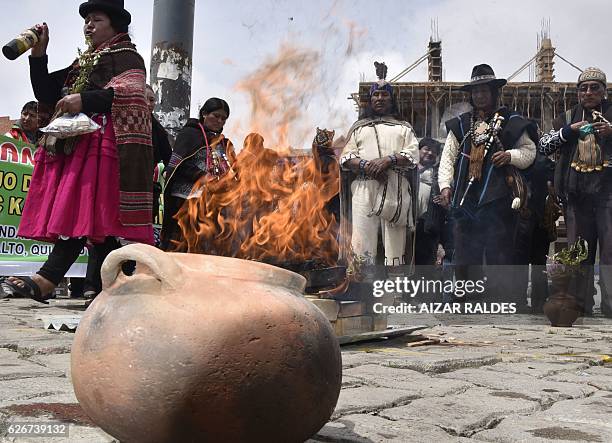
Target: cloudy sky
(237, 41)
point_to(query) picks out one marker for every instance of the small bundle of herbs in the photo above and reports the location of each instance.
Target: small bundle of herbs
(87, 61)
(573, 255)
(568, 260)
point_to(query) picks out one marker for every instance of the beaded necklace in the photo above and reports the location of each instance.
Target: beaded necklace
(480, 130)
(217, 164)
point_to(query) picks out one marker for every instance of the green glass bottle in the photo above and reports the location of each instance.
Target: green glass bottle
(21, 44)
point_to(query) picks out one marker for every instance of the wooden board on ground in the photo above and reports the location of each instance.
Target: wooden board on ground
(388, 333)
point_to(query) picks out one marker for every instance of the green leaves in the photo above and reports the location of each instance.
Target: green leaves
(573, 254)
(87, 62)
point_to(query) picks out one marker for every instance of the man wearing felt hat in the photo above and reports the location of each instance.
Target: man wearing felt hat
(478, 176)
(583, 180)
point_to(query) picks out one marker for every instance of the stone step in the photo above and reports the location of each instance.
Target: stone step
(351, 309)
(353, 325)
(352, 317)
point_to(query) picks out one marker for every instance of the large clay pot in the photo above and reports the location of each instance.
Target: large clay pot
(561, 307)
(203, 348)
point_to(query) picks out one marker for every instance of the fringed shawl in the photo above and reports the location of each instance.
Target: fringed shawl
(121, 68)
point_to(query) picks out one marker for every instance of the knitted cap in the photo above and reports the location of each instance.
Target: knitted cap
(593, 74)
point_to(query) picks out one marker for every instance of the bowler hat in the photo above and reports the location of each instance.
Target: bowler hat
(481, 75)
(111, 7)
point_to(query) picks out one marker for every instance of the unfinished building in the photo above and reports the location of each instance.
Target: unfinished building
(428, 105)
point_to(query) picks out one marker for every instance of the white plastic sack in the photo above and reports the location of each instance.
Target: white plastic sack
(70, 126)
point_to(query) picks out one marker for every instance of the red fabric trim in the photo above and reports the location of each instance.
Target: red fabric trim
(132, 124)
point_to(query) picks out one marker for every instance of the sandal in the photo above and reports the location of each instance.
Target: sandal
(30, 289)
(90, 294)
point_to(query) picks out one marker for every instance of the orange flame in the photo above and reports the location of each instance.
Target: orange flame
(273, 209)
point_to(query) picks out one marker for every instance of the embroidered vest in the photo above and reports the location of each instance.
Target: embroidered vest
(493, 185)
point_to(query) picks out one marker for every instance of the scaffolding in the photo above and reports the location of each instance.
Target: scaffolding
(434, 51)
(428, 105)
(545, 55)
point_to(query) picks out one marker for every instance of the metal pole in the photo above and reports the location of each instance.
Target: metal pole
(171, 59)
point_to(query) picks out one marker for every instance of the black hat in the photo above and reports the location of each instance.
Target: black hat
(481, 75)
(111, 7)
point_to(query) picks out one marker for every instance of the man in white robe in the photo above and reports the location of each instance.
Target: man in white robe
(382, 151)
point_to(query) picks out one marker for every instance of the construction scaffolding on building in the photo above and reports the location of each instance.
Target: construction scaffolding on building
(428, 105)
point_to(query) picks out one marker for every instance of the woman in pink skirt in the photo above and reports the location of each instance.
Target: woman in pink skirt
(94, 187)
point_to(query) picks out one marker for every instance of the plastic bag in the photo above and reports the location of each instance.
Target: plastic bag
(70, 126)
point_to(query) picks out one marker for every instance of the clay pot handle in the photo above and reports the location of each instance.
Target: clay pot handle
(163, 266)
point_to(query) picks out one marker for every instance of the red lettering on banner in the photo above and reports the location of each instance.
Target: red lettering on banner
(26, 156)
(7, 148)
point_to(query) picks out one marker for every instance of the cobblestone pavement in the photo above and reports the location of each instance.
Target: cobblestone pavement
(516, 379)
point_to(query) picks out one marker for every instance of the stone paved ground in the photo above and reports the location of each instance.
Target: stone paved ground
(518, 380)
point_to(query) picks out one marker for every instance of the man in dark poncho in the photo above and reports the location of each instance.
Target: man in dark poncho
(478, 179)
(583, 180)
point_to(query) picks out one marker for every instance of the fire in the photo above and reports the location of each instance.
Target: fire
(272, 208)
